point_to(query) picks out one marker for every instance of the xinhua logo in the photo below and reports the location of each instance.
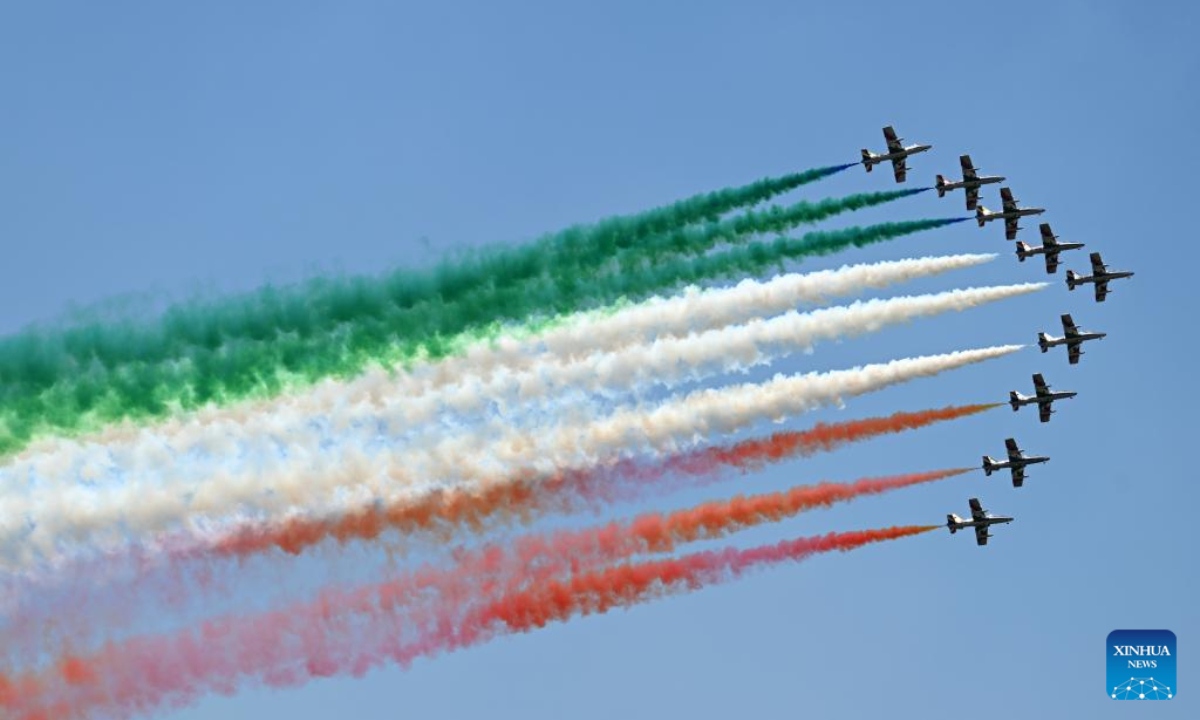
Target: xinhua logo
(1141, 664)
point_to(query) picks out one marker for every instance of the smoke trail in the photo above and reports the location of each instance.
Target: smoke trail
(695, 310)
(50, 394)
(400, 409)
(52, 601)
(312, 481)
(625, 585)
(445, 511)
(350, 632)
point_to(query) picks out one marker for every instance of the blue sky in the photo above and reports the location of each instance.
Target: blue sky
(152, 150)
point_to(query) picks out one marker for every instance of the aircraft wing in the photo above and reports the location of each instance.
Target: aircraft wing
(1069, 326)
(1039, 385)
(1006, 197)
(1098, 267)
(900, 169)
(981, 534)
(976, 509)
(1044, 410)
(1048, 238)
(1010, 227)
(968, 168)
(1018, 475)
(1073, 352)
(972, 196)
(1101, 290)
(1014, 452)
(893, 140)
(1051, 262)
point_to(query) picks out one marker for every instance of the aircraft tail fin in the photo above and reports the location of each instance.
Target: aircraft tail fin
(866, 159)
(1043, 342)
(988, 464)
(951, 520)
(1022, 251)
(1072, 279)
(941, 186)
(1014, 400)
(981, 214)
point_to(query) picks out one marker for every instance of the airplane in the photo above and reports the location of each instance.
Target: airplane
(972, 181)
(1043, 397)
(1050, 247)
(896, 152)
(1017, 461)
(1072, 337)
(980, 520)
(1100, 276)
(1010, 213)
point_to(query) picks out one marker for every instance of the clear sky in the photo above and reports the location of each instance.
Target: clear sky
(152, 149)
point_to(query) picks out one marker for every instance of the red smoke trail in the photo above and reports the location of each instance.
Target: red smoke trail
(630, 584)
(443, 511)
(351, 632)
(119, 587)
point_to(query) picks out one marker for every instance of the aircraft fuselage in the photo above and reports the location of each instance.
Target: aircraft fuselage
(1020, 400)
(1079, 280)
(1013, 464)
(1009, 214)
(898, 155)
(957, 523)
(1049, 341)
(977, 182)
(1043, 250)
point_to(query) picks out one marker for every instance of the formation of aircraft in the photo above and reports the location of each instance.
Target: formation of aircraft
(1072, 337)
(1043, 397)
(1050, 247)
(980, 519)
(1100, 277)
(1011, 213)
(1017, 462)
(897, 152)
(971, 182)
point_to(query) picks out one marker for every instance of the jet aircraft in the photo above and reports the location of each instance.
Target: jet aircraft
(971, 181)
(1042, 397)
(1072, 337)
(981, 520)
(1017, 462)
(1050, 247)
(896, 152)
(1100, 276)
(1010, 213)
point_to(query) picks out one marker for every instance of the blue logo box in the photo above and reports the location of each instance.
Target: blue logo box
(1141, 665)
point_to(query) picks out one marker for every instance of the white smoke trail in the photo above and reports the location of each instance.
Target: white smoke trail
(666, 361)
(314, 481)
(217, 435)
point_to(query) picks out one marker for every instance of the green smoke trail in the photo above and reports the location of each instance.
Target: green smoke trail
(40, 358)
(140, 391)
(253, 346)
(335, 327)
